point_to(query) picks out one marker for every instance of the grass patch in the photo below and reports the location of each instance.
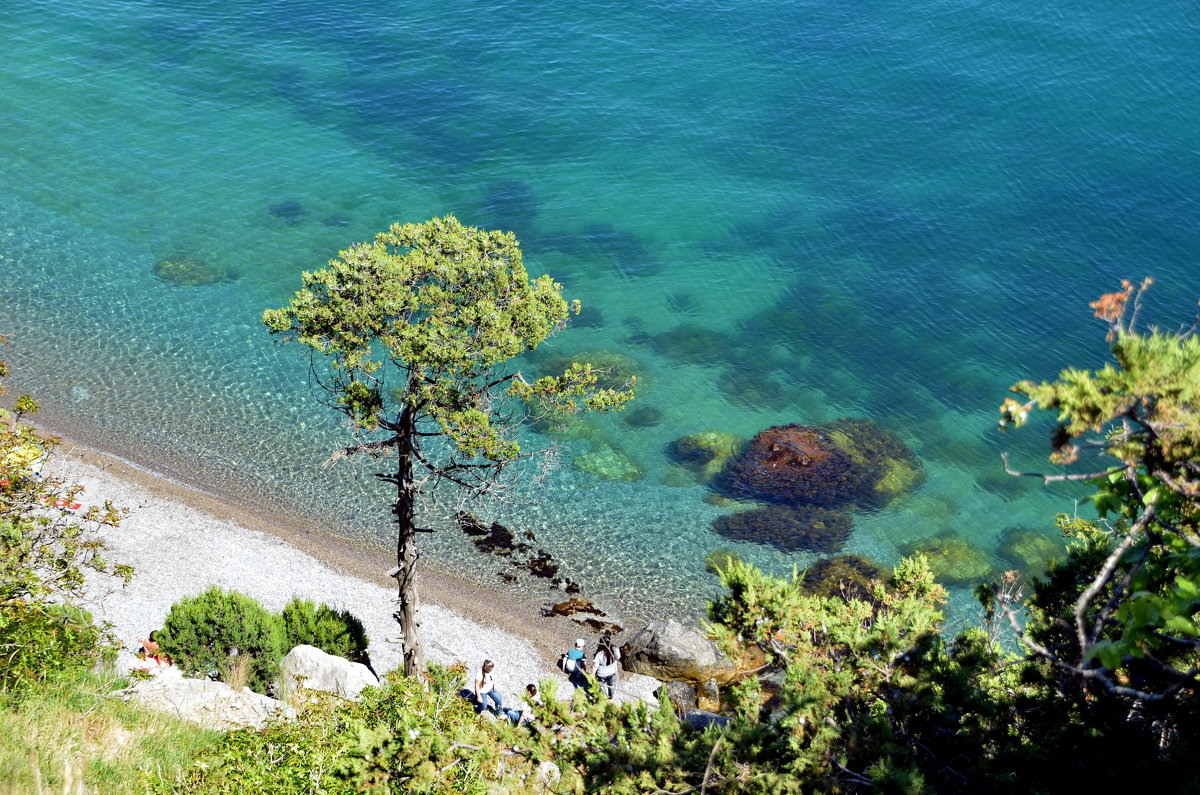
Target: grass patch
(79, 731)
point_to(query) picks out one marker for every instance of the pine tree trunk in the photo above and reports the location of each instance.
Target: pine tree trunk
(406, 549)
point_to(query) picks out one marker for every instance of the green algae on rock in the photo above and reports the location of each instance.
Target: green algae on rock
(1029, 550)
(706, 453)
(718, 560)
(952, 558)
(896, 470)
(189, 271)
(608, 462)
(843, 576)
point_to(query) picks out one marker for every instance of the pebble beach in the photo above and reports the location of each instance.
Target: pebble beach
(181, 541)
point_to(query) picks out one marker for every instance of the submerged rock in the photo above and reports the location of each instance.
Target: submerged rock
(575, 606)
(719, 559)
(689, 342)
(844, 576)
(1029, 550)
(850, 462)
(189, 271)
(706, 453)
(511, 205)
(290, 211)
(642, 417)
(952, 558)
(609, 463)
(791, 529)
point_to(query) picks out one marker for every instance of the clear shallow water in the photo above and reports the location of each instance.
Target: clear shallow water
(874, 211)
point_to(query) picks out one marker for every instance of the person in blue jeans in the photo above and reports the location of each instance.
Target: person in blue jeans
(485, 688)
(605, 664)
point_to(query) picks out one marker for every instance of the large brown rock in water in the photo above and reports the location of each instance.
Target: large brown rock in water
(847, 463)
(797, 465)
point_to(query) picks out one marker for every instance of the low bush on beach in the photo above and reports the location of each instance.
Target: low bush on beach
(336, 632)
(231, 637)
(49, 544)
(212, 634)
(46, 643)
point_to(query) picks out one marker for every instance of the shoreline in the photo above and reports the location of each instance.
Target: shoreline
(168, 519)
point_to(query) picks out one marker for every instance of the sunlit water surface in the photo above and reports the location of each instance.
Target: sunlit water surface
(784, 212)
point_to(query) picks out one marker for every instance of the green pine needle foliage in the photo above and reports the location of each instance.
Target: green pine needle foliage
(204, 635)
(336, 632)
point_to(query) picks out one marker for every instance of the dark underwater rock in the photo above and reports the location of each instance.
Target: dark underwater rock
(791, 529)
(691, 343)
(494, 539)
(795, 465)
(290, 211)
(754, 388)
(850, 462)
(845, 576)
(643, 417)
(189, 271)
(511, 206)
(573, 607)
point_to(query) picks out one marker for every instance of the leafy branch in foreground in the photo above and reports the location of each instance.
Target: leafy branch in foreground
(1130, 626)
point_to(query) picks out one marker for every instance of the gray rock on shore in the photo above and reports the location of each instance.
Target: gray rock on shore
(214, 705)
(309, 667)
(667, 650)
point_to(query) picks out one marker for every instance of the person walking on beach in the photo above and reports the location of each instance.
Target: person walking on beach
(485, 688)
(605, 663)
(574, 662)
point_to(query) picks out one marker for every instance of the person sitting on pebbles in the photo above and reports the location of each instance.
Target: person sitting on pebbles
(485, 688)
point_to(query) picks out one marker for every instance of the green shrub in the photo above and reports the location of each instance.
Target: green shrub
(206, 634)
(44, 642)
(332, 631)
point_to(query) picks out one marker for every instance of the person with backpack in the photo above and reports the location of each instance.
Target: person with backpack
(605, 664)
(573, 663)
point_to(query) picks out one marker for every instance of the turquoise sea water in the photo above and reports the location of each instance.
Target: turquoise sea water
(785, 212)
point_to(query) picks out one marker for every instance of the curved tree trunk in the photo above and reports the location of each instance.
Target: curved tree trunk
(406, 548)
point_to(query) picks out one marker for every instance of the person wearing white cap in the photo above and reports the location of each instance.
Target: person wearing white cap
(573, 663)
